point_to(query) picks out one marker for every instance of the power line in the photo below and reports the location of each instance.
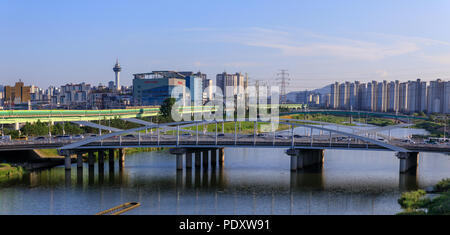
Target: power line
(283, 83)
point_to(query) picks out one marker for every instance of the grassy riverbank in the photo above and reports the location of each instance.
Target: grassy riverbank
(342, 120)
(242, 127)
(47, 153)
(435, 129)
(6, 170)
(417, 202)
(142, 150)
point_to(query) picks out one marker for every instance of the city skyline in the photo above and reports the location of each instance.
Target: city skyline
(48, 43)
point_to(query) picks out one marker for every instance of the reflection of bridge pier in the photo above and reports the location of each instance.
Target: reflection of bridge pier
(80, 176)
(408, 181)
(68, 178)
(111, 160)
(199, 177)
(309, 178)
(203, 157)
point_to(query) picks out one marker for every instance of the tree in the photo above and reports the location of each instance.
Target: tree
(165, 111)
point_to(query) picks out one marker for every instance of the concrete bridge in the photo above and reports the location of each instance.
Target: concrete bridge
(187, 143)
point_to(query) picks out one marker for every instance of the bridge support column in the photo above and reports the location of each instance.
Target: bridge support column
(179, 152)
(408, 161)
(205, 159)
(213, 158)
(67, 162)
(79, 160)
(101, 157)
(111, 160)
(221, 156)
(121, 158)
(198, 158)
(188, 159)
(293, 154)
(293, 163)
(179, 162)
(305, 158)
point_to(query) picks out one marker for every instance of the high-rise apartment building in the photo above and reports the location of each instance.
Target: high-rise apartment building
(436, 96)
(236, 82)
(393, 96)
(406, 97)
(446, 106)
(74, 94)
(18, 94)
(334, 96)
(417, 96)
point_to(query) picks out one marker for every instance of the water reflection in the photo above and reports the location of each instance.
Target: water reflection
(356, 182)
(311, 178)
(80, 177)
(409, 181)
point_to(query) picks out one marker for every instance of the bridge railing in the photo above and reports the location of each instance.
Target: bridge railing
(217, 138)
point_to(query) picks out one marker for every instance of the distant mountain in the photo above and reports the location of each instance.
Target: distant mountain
(323, 91)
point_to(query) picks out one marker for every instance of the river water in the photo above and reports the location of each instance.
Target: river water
(253, 181)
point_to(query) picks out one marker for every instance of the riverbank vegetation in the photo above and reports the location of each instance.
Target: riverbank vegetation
(343, 120)
(142, 150)
(47, 153)
(434, 127)
(6, 170)
(418, 203)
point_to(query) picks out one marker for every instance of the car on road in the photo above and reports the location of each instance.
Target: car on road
(129, 136)
(40, 138)
(221, 135)
(262, 135)
(78, 137)
(280, 137)
(63, 137)
(186, 134)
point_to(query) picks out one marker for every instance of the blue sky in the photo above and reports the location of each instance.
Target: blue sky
(56, 42)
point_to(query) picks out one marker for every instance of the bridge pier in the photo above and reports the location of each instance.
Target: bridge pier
(221, 156)
(189, 159)
(67, 162)
(294, 162)
(91, 159)
(213, 158)
(101, 164)
(408, 161)
(79, 160)
(121, 158)
(302, 158)
(198, 158)
(101, 157)
(179, 162)
(111, 160)
(179, 157)
(205, 159)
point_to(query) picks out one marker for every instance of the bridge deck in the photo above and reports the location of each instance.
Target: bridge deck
(170, 142)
